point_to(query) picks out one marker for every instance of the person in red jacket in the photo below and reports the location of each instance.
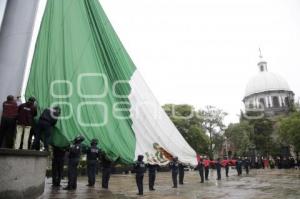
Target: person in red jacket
(206, 167)
(26, 113)
(266, 163)
(8, 122)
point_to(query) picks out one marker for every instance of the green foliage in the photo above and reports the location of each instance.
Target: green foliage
(217, 140)
(189, 125)
(197, 138)
(262, 135)
(254, 134)
(213, 123)
(239, 135)
(289, 130)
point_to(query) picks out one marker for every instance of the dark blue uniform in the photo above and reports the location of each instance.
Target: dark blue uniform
(200, 168)
(152, 175)
(174, 166)
(218, 168)
(247, 165)
(239, 165)
(46, 122)
(139, 168)
(106, 170)
(74, 158)
(227, 168)
(93, 154)
(57, 165)
(181, 167)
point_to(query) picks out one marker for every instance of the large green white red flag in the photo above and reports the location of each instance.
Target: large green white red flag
(80, 64)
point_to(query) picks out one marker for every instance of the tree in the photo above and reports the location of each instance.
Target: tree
(239, 135)
(218, 140)
(213, 122)
(189, 125)
(262, 135)
(289, 130)
(198, 140)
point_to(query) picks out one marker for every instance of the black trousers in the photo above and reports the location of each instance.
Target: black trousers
(72, 173)
(152, 176)
(206, 173)
(30, 136)
(57, 170)
(201, 173)
(139, 182)
(226, 170)
(239, 170)
(42, 127)
(181, 176)
(91, 171)
(105, 177)
(247, 169)
(174, 178)
(218, 174)
(7, 132)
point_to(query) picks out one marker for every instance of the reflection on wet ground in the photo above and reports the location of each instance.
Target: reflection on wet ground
(259, 184)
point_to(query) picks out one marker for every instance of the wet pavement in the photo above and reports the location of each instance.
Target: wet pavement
(259, 184)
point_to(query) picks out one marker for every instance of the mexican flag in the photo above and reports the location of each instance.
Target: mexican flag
(80, 64)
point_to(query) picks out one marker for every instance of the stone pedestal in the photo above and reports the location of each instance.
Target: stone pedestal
(22, 173)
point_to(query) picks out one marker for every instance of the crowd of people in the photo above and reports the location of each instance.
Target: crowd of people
(277, 162)
(205, 165)
(93, 154)
(18, 126)
(16, 122)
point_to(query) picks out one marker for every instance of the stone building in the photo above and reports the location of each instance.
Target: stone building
(268, 92)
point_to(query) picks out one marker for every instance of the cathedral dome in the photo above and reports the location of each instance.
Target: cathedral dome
(267, 93)
(266, 81)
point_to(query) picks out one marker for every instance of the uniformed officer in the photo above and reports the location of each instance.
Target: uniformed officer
(8, 122)
(93, 154)
(239, 166)
(106, 164)
(74, 158)
(45, 125)
(206, 167)
(285, 163)
(218, 166)
(181, 167)
(152, 175)
(291, 162)
(200, 167)
(57, 165)
(226, 165)
(174, 167)
(139, 168)
(246, 164)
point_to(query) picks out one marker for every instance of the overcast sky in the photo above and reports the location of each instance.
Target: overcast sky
(2, 7)
(203, 52)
